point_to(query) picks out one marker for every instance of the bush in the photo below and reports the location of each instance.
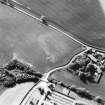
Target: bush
(18, 72)
(26, 78)
(11, 65)
(9, 82)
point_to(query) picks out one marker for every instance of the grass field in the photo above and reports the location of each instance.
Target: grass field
(32, 41)
(95, 89)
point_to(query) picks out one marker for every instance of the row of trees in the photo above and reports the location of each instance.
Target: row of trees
(81, 92)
